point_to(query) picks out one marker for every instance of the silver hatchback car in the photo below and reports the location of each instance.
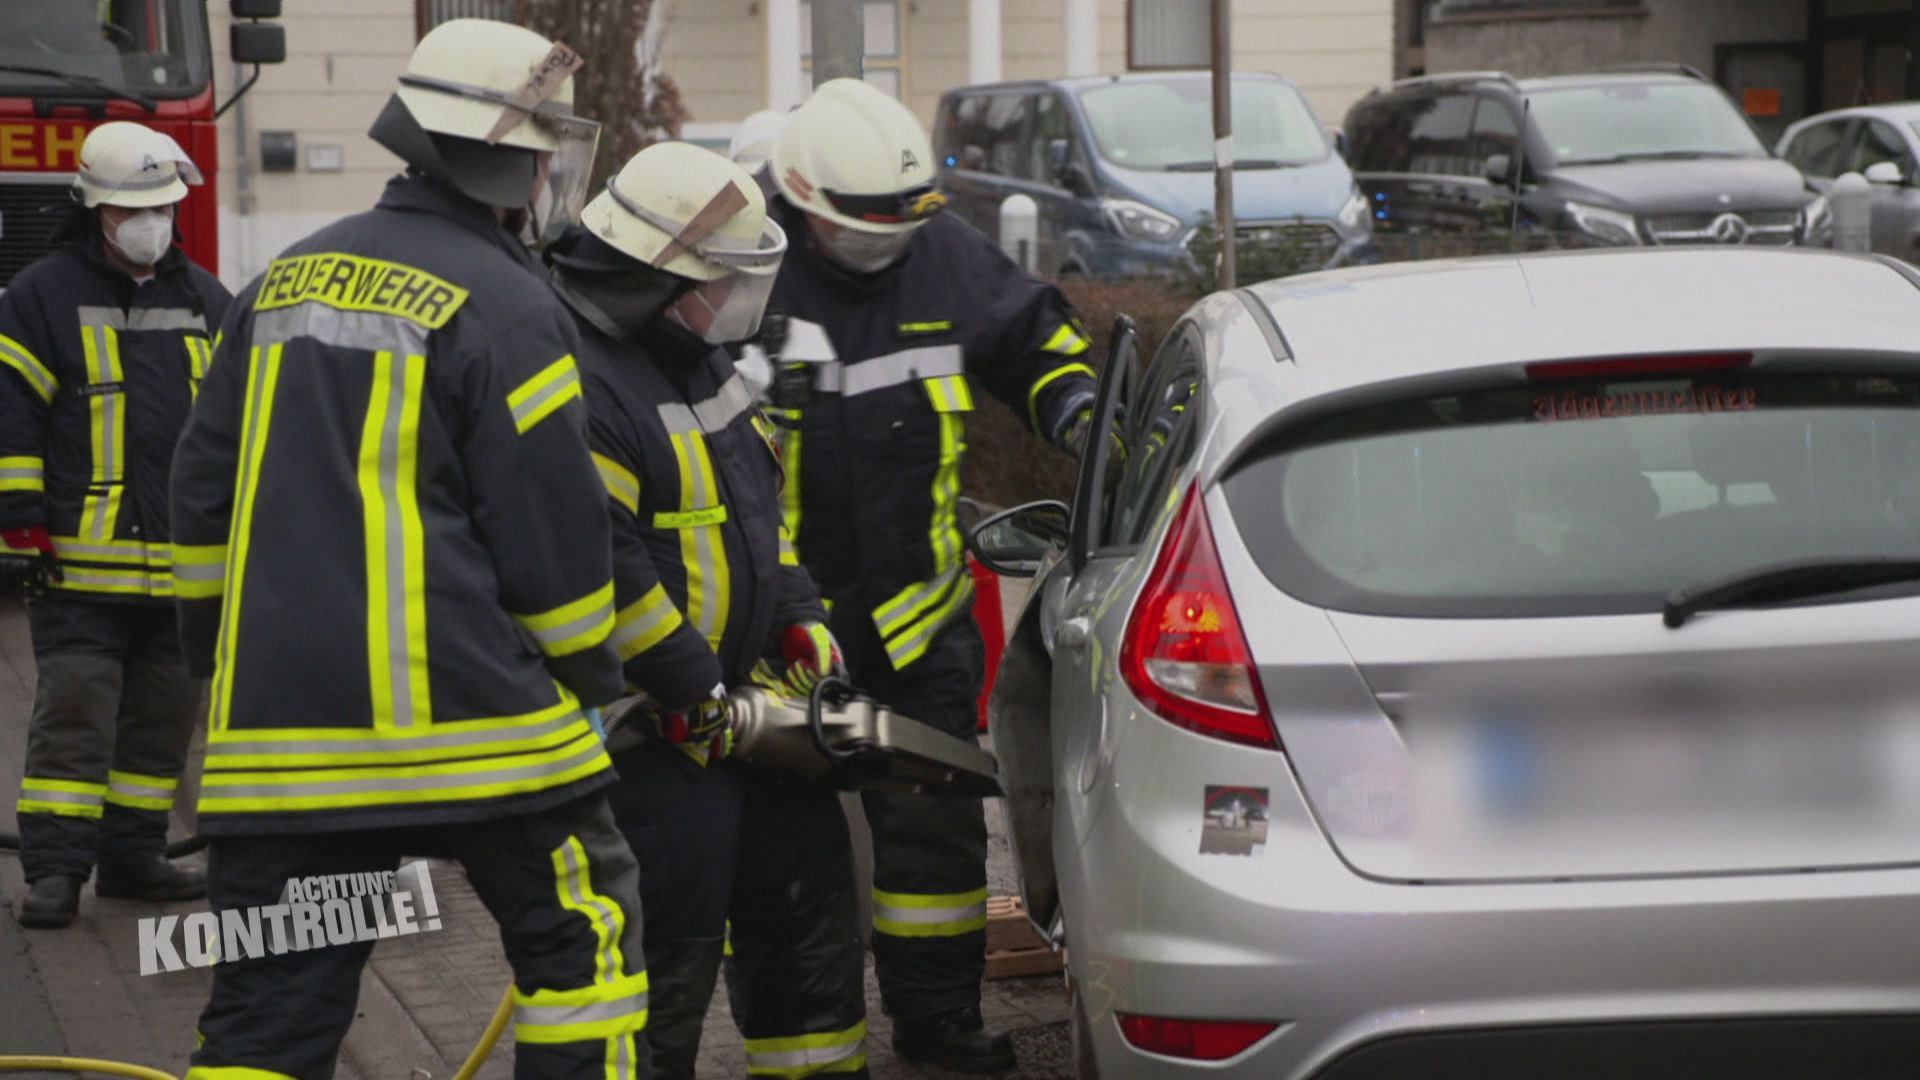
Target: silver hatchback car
(1498, 668)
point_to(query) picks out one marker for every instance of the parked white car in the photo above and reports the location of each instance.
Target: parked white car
(1882, 143)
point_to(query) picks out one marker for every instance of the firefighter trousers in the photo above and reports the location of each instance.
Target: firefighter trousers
(561, 884)
(729, 855)
(929, 854)
(113, 714)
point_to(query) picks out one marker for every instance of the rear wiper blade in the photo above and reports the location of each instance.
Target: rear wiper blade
(1797, 579)
(1676, 155)
(87, 81)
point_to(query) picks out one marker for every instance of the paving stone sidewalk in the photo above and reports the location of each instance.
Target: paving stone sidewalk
(424, 999)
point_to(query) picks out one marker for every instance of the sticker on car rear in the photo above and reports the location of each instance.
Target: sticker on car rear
(1236, 821)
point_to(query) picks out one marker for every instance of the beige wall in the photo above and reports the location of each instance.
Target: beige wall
(716, 50)
(342, 58)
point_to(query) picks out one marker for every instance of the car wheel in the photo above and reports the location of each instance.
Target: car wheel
(1084, 1067)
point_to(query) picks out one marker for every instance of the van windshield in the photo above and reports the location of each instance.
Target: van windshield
(1583, 497)
(70, 48)
(1168, 124)
(1627, 121)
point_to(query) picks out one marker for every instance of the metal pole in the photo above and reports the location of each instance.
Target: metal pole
(839, 40)
(1223, 142)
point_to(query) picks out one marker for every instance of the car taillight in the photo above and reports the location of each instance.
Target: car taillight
(1184, 655)
(1196, 1040)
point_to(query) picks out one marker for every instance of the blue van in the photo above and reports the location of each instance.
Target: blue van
(1122, 169)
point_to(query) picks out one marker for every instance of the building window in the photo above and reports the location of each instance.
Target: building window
(885, 61)
(1169, 33)
(1490, 10)
(428, 14)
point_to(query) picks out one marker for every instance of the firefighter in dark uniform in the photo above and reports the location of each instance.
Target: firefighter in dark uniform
(675, 259)
(894, 316)
(103, 344)
(393, 558)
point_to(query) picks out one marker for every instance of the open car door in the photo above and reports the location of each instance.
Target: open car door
(1050, 543)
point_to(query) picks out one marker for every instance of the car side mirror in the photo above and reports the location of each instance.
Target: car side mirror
(1884, 172)
(1339, 140)
(1059, 153)
(257, 43)
(1500, 168)
(1013, 542)
(1075, 178)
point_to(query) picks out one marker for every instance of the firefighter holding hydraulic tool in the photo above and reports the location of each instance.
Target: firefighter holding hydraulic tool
(675, 259)
(894, 313)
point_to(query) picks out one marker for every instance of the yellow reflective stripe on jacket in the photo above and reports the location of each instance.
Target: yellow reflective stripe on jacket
(645, 623)
(622, 486)
(21, 359)
(789, 442)
(199, 359)
(573, 880)
(395, 547)
(140, 791)
(65, 798)
(701, 547)
(133, 552)
(230, 1072)
(24, 473)
(263, 376)
(538, 398)
(909, 619)
(575, 626)
(809, 1055)
(106, 430)
(1033, 394)
(402, 784)
(130, 581)
(934, 605)
(600, 1011)
(929, 914)
(1066, 341)
(788, 556)
(690, 519)
(199, 570)
(445, 741)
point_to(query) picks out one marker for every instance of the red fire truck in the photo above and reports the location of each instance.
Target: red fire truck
(67, 65)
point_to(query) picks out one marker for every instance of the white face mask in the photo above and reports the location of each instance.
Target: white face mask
(865, 252)
(143, 238)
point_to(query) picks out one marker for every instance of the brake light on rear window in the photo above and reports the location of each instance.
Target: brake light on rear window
(1623, 366)
(1196, 1040)
(1184, 655)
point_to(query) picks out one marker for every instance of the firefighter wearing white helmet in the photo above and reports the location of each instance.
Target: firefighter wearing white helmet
(891, 316)
(102, 344)
(406, 610)
(673, 262)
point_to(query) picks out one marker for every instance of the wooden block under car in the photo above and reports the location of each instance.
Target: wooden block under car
(1014, 947)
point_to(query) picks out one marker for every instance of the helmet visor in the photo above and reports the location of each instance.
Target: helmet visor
(893, 208)
(735, 305)
(569, 173)
(754, 257)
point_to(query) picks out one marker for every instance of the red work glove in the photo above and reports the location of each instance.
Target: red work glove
(26, 557)
(810, 652)
(703, 730)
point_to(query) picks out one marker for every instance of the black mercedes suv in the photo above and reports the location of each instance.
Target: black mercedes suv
(1647, 156)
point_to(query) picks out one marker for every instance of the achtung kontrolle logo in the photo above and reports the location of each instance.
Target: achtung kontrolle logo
(313, 912)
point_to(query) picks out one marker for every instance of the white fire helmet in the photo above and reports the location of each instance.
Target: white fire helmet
(752, 142)
(127, 164)
(692, 213)
(504, 85)
(855, 156)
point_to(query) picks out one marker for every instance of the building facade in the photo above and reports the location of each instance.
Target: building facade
(295, 154)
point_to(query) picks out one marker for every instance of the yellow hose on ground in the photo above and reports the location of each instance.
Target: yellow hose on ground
(488, 1038)
(49, 1063)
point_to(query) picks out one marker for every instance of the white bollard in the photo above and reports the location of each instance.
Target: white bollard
(1020, 230)
(1852, 200)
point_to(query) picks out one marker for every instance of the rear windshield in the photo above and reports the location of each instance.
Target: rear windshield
(1584, 497)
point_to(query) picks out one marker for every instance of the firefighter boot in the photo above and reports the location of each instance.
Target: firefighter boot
(53, 902)
(149, 877)
(956, 1039)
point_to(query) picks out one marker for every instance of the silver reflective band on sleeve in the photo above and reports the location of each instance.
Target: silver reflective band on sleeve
(143, 319)
(645, 626)
(591, 1013)
(554, 636)
(908, 365)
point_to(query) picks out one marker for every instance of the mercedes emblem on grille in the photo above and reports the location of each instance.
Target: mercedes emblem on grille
(1726, 199)
(1728, 229)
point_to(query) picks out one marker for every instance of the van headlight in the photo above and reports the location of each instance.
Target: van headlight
(1816, 223)
(1139, 221)
(1604, 225)
(1358, 212)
